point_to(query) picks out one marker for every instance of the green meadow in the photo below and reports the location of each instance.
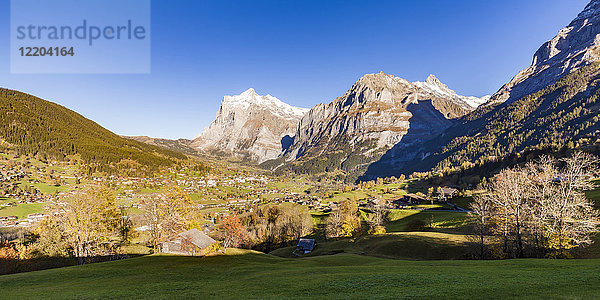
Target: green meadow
(249, 275)
(22, 210)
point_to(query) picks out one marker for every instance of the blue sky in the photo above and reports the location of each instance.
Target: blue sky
(303, 52)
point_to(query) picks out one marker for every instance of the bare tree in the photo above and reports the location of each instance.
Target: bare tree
(512, 193)
(541, 207)
(378, 217)
(333, 227)
(570, 215)
(482, 211)
(542, 174)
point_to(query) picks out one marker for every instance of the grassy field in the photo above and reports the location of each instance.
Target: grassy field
(22, 210)
(401, 245)
(400, 220)
(254, 276)
(441, 236)
(594, 195)
(45, 188)
(462, 202)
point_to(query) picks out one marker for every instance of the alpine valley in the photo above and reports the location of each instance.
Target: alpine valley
(385, 126)
(382, 126)
(394, 189)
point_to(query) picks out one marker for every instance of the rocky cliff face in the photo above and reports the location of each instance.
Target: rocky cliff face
(553, 104)
(251, 126)
(575, 46)
(379, 112)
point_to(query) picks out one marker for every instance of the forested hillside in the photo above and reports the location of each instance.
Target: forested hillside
(563, 115)
(32, 126)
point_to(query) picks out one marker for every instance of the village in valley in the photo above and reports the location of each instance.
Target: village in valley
(34, 190)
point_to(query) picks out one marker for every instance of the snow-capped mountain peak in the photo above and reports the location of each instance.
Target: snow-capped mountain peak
(250, 125)
(434, 86)
(250, 97)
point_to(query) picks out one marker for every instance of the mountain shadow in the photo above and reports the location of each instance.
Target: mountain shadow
(564, 115)
(426, 123)
(286, 142)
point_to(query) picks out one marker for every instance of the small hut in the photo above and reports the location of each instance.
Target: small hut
(190, 243)
(305, 246)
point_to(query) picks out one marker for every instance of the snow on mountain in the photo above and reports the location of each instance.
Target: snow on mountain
(378, 113)
(251, 126)
(436, 87)
(250, 97)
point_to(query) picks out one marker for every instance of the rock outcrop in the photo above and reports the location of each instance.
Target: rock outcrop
(552, 105)
(379, 112)
(251, 126)
(575, 46)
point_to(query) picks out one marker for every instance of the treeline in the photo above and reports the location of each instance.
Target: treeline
(274, 226)
(345, 163)
(266, 228)
(87, 227)
(46, 130)
(539, 210)
(565, 114)
(469, 175)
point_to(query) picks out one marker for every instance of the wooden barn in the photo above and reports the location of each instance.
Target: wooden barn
(190, 243)
(447, 192)
(305, 246)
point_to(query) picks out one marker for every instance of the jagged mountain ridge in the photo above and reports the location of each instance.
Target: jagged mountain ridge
(552, 104)
(378, 112)
(250, 126)
(434, 86)
(574, 47)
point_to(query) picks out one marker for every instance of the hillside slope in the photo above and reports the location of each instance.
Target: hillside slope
(180, 145)
(32, 126)
(565, 114)
(574, 47)
(258, 276)
(376, 113)
(553, 104)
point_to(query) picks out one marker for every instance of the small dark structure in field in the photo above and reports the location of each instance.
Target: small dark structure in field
(191, 243)
(305, 246)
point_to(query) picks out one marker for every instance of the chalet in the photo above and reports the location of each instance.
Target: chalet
(407, 200)
(414, 199)
(305, 246)
(36, 217)
(447, 192)
(189, 243)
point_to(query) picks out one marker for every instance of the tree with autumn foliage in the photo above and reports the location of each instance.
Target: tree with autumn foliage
(344, 221)
(273, 225)
(167, 214)
(9, 258)
(90, 220)
(232, 232)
